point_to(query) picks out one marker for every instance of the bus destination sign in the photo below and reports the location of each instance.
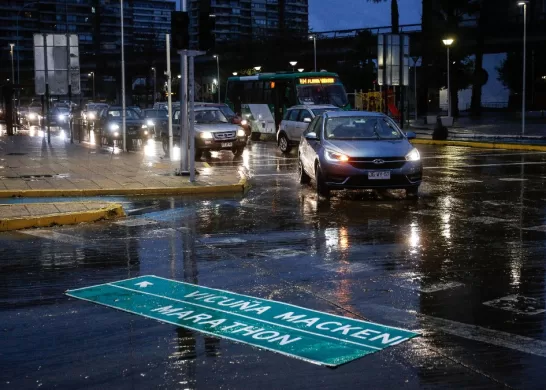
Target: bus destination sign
(317, 80)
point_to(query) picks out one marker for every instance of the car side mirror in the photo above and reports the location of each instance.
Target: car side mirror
(311, 136)
(411, 135)
(307, 120)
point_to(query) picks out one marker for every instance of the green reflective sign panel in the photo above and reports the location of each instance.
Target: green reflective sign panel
(295, 331)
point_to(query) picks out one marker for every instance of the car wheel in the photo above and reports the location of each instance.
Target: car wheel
(412, 192)
(322, 188)
(284, 146)
(255, 136)
(302, 175)
(165, 144)
(198, 154)
(238, 151)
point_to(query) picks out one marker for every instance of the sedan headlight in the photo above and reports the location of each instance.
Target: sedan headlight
(114, 127)
(413, 155)
(334, 156)
(206, 135)
(244, 122)
(240, 133)
(149, 122)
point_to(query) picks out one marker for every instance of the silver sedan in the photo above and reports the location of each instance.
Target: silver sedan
(358, 150)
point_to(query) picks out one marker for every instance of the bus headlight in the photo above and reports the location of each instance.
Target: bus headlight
(206, 135)
(240, 133)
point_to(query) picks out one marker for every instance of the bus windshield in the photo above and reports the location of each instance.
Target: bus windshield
(322, 94)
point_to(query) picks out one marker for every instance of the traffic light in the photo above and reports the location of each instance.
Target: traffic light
(206, 26)
(179, 30)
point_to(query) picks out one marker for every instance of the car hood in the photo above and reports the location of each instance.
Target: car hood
(216, 127)
(370, 148)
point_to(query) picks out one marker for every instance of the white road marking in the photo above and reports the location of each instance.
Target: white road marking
(489, 220)
(56, 236)
(451, 157)
(512, 179)
(431, 288)
(487, 165)
(344, 267)
(136, 222)
(541, 228)
(470, 332)
(274, 174)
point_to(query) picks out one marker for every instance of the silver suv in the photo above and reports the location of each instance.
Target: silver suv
(295, 122)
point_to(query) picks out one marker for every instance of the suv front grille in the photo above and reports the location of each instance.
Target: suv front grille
(377, 162)
(224, 136)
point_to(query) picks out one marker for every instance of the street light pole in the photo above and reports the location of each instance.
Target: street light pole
(93, 74)
(524, 5)
(448, 42)
(155, 80)
(293, 63)
(218, 74)
(314, 38)
(123, 113)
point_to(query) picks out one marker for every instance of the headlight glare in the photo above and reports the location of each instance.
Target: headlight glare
(240, 133)
(114, 127)
(91, 115)
(244, 122)
(206, 135)
(144, 126)
(413, 155)
(334, 156)
(149, 122)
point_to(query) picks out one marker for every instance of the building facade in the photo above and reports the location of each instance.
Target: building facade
(245, 20)
(97, 24)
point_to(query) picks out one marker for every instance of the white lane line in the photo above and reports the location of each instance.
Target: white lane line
(466, 331)
(450, 157)
(486, 165)
(52, 235)
(247, 317)
(275, 174)
(512, 179)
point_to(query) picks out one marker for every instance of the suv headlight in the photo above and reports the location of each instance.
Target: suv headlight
(240, 133)
(114, 127)
(413, 155)
(334, 156)
(206, 135)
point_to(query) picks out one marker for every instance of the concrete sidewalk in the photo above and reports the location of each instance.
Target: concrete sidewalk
(22, 216)
(31, 167)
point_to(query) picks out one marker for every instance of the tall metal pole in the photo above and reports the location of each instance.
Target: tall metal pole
(191, 85)
(14, 108)
(155, 80)
(183, 117)
(12, 67)
(218, 73)
(123, 113)
(524, 68)
(169, 97)
(315, 50)
(93, 86)
(448, 86)
(415, 59)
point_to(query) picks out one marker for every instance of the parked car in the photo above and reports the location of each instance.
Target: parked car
(157, 120)
(213, 132)
(358, 150)
(109, 126)
(90, 112)
(295, 122)
(230, 115)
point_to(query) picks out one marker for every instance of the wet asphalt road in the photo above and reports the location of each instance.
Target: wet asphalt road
(438, 264)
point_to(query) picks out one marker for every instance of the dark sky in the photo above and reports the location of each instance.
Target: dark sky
(347, 14)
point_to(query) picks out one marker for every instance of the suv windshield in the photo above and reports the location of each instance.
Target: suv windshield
(322, 94)
(361, 127)
(318, 111)
(129, 114)
(210, 116)
(227, 111)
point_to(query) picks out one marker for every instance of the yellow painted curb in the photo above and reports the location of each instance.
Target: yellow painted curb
(485, 145)
(190, 190)
(113, 210)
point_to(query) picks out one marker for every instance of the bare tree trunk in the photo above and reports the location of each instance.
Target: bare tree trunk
(476, 101)
(395, 17)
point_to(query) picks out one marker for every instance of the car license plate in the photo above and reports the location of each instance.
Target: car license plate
(227, 144)
(379, 175)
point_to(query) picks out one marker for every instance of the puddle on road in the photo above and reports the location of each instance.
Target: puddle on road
(518, 304)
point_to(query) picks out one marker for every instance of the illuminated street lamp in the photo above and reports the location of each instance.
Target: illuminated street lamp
(300, 70)
(293, 63)
(93, 74)
(314, 38)
(234, 73)
(524, 5)
(257, 68)
(448, 42)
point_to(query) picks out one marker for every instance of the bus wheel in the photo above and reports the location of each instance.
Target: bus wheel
(255, 136)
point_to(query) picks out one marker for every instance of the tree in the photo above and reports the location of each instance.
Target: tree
(395, 17)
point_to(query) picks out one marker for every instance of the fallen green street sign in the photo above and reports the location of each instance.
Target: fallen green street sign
(306, 334)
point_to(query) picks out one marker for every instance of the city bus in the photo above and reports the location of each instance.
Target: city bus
(262, 99)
